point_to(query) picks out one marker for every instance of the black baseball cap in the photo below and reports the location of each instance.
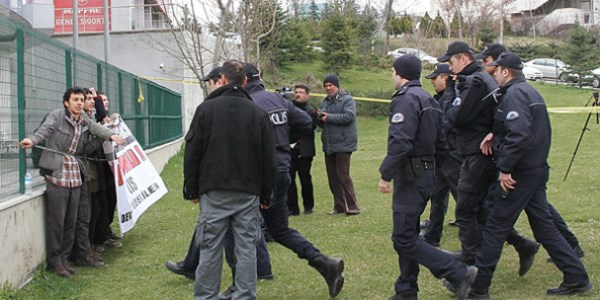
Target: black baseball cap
(456, 48)
(508, 60)
(252, 72)
(440, 69)
(215, 73)
(493, 50)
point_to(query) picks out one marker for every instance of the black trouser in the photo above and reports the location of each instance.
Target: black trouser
(107, 201)
(445, 181)
(529, 195)
(408, 204)
(302, 166)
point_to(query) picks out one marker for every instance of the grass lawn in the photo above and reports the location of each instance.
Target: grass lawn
(136, 271)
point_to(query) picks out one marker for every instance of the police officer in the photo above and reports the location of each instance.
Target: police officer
(413, 134)
(284, 115)
(446, 178)
(490, 54)
(521, 142)
(472, 114)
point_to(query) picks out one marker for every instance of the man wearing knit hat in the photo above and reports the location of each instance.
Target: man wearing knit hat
(414, 131)
(337, 117)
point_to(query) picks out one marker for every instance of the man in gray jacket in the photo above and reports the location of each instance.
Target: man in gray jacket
(65, 132)
(337, 117)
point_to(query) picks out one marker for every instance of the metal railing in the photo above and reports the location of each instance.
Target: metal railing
(34, 73)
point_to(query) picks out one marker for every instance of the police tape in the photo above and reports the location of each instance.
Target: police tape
(574, 110)
(556, 110)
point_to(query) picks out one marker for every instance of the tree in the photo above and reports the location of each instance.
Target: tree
(336, 40)
(406, 24)
(438, 27)
(425, 24)
(582, 51)
(455, 26)
(366, 27)
(487, 32)
(294, 42)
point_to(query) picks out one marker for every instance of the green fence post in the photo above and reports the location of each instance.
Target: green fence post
(120, 91)
(140, 129)
(68, 70)
(99, 76)
(21, 106)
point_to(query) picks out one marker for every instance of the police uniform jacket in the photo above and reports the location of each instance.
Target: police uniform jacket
(444, 99)
(472, 110)
(415, 128)
(340, 133)
(283, 115)
(229, 146)
(522, 130)
(305, 143)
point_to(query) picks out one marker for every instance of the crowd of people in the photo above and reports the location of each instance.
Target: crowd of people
(80, 196)
(484, 137)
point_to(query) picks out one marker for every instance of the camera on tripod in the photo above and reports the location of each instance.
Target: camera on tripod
(286, 92)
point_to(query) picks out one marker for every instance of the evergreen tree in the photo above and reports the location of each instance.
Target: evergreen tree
(487, 32)
(454, 26)
(425, 24)
(406, 24)
(365, 29)
(295, 42)
(582, 51)
(336, 39)
(438, 27)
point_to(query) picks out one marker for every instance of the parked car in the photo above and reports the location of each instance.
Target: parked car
(532, 73)
(550, 67)
(588, 78)
(424, 57)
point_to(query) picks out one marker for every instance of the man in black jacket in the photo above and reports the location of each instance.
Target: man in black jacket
(303, 151)
(229, 168)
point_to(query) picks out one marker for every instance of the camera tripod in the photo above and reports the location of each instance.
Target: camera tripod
(587, 121)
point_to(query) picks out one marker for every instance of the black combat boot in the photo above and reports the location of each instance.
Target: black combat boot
(331, 269)
(527, 249)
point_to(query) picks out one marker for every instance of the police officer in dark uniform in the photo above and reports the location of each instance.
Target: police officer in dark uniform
(414, 135)
(284, 115)
(521, 142)
(490, 54)
(446, 177)
(472, 114)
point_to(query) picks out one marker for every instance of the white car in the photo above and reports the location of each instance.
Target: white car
(532, 73)
(550, 67)
(424, 57)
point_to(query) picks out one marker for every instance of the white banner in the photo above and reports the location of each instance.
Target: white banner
(137, 182)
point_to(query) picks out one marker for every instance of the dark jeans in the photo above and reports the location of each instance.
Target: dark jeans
(340, 182)
(445, 181)
(107, 202)
(562, 227)
(408, 203)
(529, 195)
(301, 165)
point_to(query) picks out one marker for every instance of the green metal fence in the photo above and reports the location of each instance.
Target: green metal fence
(34, 73)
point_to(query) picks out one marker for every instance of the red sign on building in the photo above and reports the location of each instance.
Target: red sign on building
(90, 14)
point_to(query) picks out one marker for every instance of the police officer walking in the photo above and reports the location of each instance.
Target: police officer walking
(284, 115)
(472, 114)
(448, 168)
(414, 132)
(521, 143)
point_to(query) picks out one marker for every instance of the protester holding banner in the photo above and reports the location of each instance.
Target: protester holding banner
(229, 168)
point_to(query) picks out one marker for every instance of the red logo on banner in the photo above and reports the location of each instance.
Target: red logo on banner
(90, 14)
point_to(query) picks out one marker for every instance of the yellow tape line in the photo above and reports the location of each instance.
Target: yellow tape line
(574, 110)
(556, 110)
